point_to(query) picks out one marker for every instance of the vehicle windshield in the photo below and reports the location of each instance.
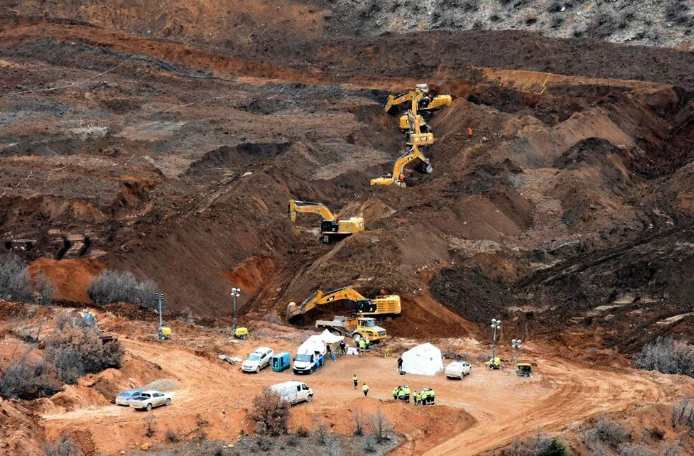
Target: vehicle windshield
(303, 358)
(253, 357)
(369, 323)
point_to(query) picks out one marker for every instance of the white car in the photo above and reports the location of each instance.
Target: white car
(458, 369)
(293, 392)
(150, 399)
(256, 361)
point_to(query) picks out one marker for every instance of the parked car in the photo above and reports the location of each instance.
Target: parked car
(124, 397)
(150, 399)
(458, 369)
(293, 391)
(258, 360)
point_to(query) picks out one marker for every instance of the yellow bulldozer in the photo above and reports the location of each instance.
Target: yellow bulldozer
(382, 305)
(398, 176)
(331, 228)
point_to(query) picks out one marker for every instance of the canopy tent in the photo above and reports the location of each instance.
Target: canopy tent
(330, 338)
(423, 359)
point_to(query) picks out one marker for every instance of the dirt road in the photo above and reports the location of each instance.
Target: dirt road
(504, 407)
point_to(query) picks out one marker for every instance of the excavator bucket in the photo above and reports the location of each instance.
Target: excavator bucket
(439, 102)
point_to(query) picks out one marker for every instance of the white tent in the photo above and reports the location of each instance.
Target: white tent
(423, 359)
(330, 338)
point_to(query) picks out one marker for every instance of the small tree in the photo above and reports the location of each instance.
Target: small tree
(15, 283)
(76, 350)
(43, 290)
(380, 426)
(26, 380)
(270, 412)
(65, 446)
(358, 416)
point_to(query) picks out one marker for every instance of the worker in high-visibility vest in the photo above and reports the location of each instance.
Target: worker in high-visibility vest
(396, 391)
(401, 394)
(365, 389)
(417, 397)
(355, 380)
(407, 394)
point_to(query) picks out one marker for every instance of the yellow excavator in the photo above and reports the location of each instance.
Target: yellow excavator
(415, 136)
(421, 100)
(398, 177)
(383, 305)
(331, 228)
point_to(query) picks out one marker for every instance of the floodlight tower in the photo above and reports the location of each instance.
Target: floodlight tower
(496, 328)
(516, 343)
(235, 293)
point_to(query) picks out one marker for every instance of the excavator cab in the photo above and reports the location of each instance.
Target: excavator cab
(365, 306)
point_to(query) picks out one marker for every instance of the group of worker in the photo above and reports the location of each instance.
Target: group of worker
(424, 397)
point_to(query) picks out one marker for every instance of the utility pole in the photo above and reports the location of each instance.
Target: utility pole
(160, 299)
(516, 343)
(235, 293)
(496, 327)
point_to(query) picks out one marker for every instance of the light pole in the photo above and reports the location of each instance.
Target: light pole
(516, 343)
(235, 293)
(496, 327)
(160, 299)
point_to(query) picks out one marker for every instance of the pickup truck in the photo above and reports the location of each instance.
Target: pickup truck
(354, 327)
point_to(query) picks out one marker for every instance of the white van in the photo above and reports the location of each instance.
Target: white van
(458, 369)
(293, 391)
(310, 356)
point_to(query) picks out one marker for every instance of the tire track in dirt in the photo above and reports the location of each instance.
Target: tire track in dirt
(582, 393)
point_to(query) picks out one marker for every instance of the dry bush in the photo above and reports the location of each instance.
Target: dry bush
(113, 287)
(380, 426)
(25, 380)
(322, 433)
(77, 350)
(15, 283)
(43, 290)
(172, 435)
(636, 450)
(369, 446)
(149, 423)
(536, 446)
(210, 448)
(667, 356)
(270, 413)
(302, 432)
(64, 447)
(359, 419)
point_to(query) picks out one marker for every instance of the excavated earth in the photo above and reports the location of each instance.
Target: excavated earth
(170, 148)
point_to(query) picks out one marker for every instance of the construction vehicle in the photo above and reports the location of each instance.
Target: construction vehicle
(89, 319)
(494, 363)
(524, 370)
(421, 100)
(415, 136)
(398, 178)
(331, 227)
(354, 327)
(164, 333)
(382, 305)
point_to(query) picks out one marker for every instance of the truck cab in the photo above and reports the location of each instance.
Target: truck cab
(367, 328)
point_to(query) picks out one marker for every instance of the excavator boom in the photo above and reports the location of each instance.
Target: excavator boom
(396, 177)
(363, 306)
(309, 207)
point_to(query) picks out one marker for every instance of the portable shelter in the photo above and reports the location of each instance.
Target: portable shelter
(330, 338)
(423, 359)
